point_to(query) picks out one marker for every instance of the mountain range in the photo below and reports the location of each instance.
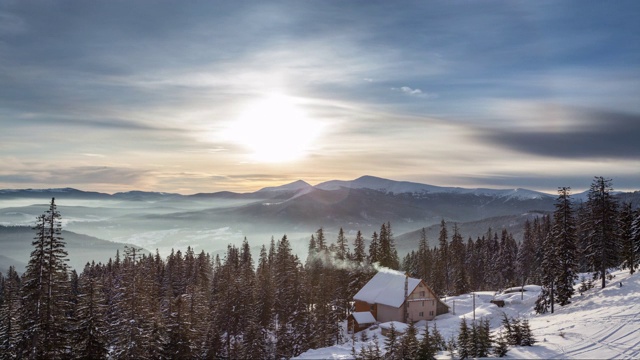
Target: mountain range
(157, 220)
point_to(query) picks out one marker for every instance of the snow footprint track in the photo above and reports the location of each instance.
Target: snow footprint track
(603, 338)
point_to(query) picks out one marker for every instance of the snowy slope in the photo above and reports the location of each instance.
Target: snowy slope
(399, 187)
(294, 186)
(601, 324)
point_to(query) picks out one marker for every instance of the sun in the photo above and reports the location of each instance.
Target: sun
(275, 129)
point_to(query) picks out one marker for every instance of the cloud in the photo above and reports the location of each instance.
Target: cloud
(570, 132)
(414, 92)
(82, 175)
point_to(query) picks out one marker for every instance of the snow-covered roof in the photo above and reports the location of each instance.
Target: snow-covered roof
(364, 317)
(387, 288)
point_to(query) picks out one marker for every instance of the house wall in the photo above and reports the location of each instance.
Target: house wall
(365, 306)
(421, 309)
(389, 313)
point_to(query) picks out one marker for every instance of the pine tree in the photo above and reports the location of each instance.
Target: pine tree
(45, 290)
(438, 339)
(502, 345)
(409, 344)
(91, 337)
(626, 237)
(10, 314)
(564, 241)
(392, 344)
(602, 224)
(527, 335)
(526, 254)
(374, 249)
(443, 262)
(427, 349)
(635, 240)
(459, 273)
(485, 340)
(388, 255)
(342, 245)
(464, 340)
(132, 319)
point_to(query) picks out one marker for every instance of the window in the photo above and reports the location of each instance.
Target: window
(421, 314)
(430, 313)
(423, 304)
(422, 293)
(371, 307)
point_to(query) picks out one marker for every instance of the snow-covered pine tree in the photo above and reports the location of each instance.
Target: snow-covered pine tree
(635, 239)
(374, 249)
(464, 340)
(264, 292)
(564, 243)
(485, 340)
(424, 259)
(10, 314)
(602, 222)
(392, 344)
(131, 322)
(459, 274)
(409, 345)
(361, 271)
(388, 255)
(443, 264)
(527, 335)
(526, 255)
(90, 334)
(290, 310)
(45, 289)
(502, 345)
(438, 339)
(507, 259)
(427, 349)
(626, 237)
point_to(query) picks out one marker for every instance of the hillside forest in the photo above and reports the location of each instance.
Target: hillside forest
(194, 305)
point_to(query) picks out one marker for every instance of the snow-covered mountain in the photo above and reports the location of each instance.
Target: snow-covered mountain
(400, 187)
(294, 186)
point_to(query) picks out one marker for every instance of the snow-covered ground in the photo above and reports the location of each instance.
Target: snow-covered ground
(600, 324)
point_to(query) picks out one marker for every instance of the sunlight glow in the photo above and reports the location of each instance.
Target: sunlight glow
(275, 129)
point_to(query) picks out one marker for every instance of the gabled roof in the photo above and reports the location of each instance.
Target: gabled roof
(387, 288)
(364, 317)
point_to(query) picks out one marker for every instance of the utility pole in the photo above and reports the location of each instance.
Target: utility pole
(474, 306)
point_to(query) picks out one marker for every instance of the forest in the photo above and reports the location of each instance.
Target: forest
(194, 305)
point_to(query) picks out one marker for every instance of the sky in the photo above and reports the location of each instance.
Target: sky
(204, 96)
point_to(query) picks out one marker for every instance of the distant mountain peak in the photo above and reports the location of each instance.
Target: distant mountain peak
(401, 187)
(294, 186)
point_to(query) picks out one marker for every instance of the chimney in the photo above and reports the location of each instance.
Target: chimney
(406, 295)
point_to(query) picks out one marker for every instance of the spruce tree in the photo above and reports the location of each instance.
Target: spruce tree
(527, 335)
(502, 345)
(392, 344)
(464, 340)
(45, 290)
(564, 241)
(9, 314)
(626, 237)
(526, 254)
(388, 255)
(635, 240)
(602, 223)
(459, 273)
(374, 249)
(91, 338)
(409, 344)
(427, 349)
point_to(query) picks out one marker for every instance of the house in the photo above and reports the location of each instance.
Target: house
(394, 296)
